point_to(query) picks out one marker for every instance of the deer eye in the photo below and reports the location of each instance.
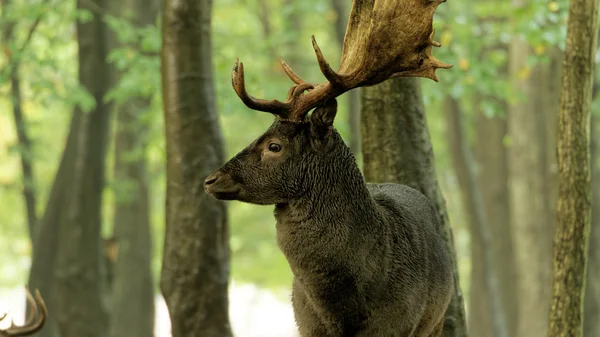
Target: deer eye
(274, 147)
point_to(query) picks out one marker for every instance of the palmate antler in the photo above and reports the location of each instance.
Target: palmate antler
(384, 39)
(34, 323)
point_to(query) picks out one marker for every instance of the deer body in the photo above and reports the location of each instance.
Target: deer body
(366, 262)
(367, 259)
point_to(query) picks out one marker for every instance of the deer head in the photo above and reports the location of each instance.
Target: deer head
(384, 39)
(35, 321)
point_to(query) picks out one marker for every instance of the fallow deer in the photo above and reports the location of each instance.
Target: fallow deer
(34, 323)
(367, 259)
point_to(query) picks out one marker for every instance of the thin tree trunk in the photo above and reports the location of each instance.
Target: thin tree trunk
(80, 282)
(25, 148)
(264, 16)
(292, 23)
(342, 13)
(397, 148)
(493, 181)
(132, 310)
(464, 167)
(195, 270)
(531, 219)
(591, 323)
(574, 191)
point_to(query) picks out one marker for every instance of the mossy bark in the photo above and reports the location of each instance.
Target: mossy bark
(574, 191)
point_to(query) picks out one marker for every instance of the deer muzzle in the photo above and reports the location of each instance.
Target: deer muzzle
(221, 186)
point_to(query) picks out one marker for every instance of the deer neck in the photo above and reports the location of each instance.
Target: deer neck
(339, 195)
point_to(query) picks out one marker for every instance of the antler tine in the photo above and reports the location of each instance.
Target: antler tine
(430, 63)
(238, 82)
(34, 323)
(334, 78)
(291, 74)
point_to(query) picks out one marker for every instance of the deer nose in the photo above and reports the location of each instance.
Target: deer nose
(211, 179)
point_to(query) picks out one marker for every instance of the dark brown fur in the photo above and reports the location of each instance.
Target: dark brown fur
(366, 258)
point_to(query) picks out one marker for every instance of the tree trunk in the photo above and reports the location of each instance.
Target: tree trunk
(464, 167)
(25, 148)
(531, 217)
(292, 24)
(397, 148)
(47, 237)
(574, 190)
(195, 269)
(132, 309)
(591, 323)
(493, 181)
(80, 310)
(342, 13)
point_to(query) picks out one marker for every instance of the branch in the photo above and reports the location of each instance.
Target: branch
(14, 61)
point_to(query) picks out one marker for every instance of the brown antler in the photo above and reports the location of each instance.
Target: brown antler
(35, 321)
(384, 39)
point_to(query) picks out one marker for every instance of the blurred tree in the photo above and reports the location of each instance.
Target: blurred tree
(464, 167)
(132, 308)
(80, 281)
(13, 53)
(531, 191)
(492, 180)
(47, 239)
(591, 324)
(292, 25)
(264, 15)
(396, 147)
(574, 204)
(342, 12)
(195, 269)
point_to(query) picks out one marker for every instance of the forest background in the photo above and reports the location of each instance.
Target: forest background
(492, 121)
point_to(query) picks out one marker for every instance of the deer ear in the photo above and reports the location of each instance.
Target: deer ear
(322, 118)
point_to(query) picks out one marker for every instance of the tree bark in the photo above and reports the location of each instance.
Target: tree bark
(591, 324)
(397, 148)
(531, 212)
(80, 308)
(574, 191)
(132, 310)
(464, 167)
(195, 268)
(342, 13)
